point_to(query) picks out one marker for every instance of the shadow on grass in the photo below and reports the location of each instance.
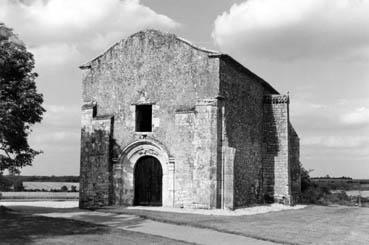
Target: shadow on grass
(20, 228)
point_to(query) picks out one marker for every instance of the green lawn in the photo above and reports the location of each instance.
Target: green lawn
(311, 225)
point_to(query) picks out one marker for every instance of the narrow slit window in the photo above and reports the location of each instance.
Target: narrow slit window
(143, 118)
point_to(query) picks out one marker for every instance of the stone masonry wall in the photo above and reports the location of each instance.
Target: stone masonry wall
(242, 133)
(294, 156)
(96, 168)
(185, 157)
(155, 68)
(196, 162)
(276, 169)
(205, 148)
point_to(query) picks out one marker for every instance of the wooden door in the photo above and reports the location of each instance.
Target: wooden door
(148, 176)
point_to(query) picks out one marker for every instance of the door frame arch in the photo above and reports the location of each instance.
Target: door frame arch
(124, 171)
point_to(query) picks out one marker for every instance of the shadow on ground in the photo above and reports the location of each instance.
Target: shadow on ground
(19, 228)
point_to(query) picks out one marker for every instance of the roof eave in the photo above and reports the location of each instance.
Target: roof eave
(85, 66)
(259, 79)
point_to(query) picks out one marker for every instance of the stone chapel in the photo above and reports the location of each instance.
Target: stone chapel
(166, 123)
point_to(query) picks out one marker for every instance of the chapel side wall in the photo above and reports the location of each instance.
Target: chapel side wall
(155, 68)
(294, 158)
(243, 133)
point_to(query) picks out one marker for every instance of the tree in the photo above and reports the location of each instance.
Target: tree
(73, 188)
(5, 184)
(305, 179)
(20, 103)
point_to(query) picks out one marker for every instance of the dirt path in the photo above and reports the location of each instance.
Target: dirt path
(177, 232)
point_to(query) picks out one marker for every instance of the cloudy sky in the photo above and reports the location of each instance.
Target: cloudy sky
(317, 50)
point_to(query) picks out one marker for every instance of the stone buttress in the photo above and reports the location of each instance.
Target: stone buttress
(96, 168)
(280, 168)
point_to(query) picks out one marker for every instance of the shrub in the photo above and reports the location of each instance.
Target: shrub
(312, 193)
(268, 198)
(73, 188)
(18, 185)
(338, 198)
(5, 184)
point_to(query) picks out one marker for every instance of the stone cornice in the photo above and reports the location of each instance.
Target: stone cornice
(88, 105)
(276, 99)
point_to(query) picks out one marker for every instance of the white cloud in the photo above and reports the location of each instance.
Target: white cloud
(40, 22)
(300, 107)
(310, 115)
(289, 29)
(359, 116)
(55, 54)
(54, 137)
(57, 115)
(63, 34)
(61, 108)
(336, 141)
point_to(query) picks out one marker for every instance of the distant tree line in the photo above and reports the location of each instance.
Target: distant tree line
(342, 183)
(12, 182)
(64, 188)
(67, 178)
(329, 177)
(323, 192)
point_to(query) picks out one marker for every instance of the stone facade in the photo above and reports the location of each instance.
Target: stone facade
(221, 134)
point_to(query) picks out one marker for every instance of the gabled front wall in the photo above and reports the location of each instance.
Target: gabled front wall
(154, 68)
(149, 68)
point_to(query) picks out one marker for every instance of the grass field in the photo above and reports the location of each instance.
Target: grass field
(39, 195)
(311, 225)
(357, 193)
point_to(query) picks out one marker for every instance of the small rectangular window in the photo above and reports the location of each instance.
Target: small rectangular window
(143, 118)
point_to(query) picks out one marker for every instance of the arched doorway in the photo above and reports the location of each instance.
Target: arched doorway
(148, 178)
